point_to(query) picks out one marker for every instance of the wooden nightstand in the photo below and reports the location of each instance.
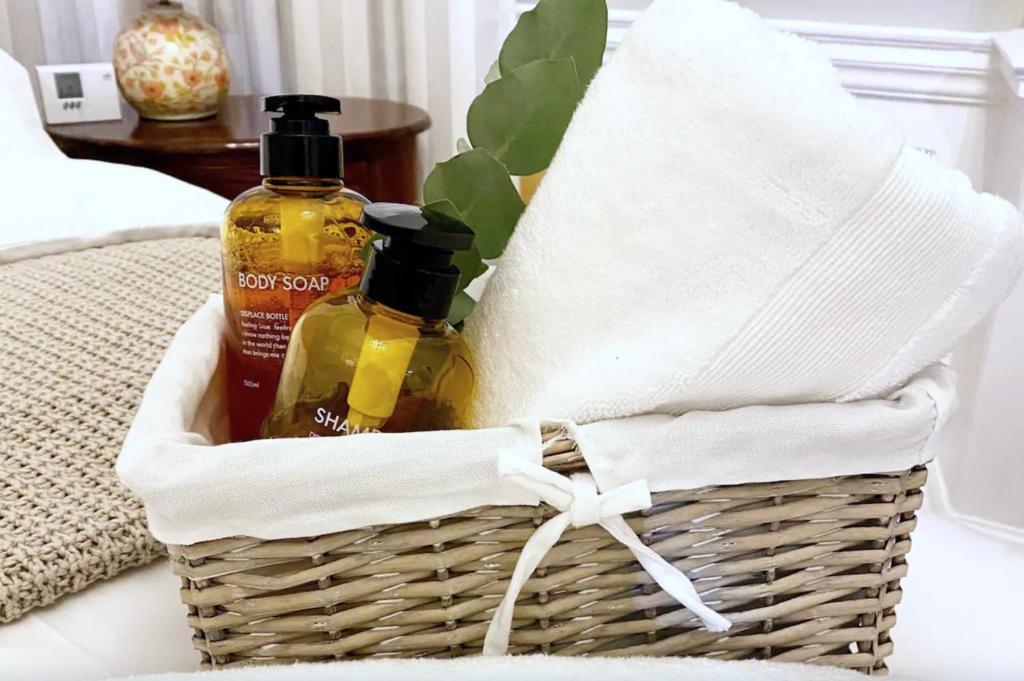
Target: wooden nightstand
(222, 153)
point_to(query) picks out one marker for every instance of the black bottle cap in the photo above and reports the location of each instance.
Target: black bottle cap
(300, 144)
(411, 270)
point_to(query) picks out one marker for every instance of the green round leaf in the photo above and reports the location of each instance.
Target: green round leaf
(445, 208)
(470, 266)
(493, 73)
(481, 191)
(469, 263)
(461, 307)
(557, 29)
(521, 118)
(368, 247)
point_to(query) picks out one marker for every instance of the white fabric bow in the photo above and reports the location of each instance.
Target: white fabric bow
(581, 505)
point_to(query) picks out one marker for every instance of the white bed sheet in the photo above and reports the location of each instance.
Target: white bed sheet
(131, 624)
(958, 619)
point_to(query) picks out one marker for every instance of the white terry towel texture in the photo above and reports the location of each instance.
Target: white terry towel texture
(724, 225)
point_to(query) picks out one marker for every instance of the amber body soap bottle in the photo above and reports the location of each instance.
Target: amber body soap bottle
(383, 358)
(284, 244)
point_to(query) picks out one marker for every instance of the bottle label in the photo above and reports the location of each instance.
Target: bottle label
(283, 282)
(337, 425)
(267, 305)
(264, 334)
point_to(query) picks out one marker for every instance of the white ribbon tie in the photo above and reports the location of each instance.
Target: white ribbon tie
(581, 505)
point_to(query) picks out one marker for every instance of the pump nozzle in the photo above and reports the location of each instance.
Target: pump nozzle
(411, 272)
(304, 106)
(300, 145)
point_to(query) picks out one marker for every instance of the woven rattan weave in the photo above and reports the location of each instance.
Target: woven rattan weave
(808, 571)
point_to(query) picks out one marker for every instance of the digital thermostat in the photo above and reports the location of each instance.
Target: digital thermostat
(77, 93)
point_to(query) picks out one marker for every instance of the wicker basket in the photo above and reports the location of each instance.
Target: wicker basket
(808, 571)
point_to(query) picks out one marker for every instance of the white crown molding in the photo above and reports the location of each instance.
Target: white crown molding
(909, 64)
(1010, 49)
(916, 64)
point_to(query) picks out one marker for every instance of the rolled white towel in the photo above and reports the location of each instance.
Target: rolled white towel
(724, 225)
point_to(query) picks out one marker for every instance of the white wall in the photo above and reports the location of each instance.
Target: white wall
(968, 15)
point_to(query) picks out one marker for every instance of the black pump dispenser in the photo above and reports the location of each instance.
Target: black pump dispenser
(300, 144)
(412, 269)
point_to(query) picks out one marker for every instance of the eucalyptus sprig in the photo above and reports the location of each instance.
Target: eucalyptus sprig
(516, 125)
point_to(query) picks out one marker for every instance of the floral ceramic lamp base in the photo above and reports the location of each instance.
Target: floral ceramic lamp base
(170, 65)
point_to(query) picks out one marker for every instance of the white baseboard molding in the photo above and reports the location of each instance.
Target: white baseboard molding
(910, 64)
(938, 501)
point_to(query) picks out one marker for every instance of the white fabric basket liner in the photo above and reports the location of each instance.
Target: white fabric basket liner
(196, 490)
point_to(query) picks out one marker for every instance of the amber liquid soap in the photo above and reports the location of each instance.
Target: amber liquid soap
(383, 358)
(284, 244)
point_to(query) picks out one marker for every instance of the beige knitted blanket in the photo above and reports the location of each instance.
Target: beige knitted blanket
(80, 335)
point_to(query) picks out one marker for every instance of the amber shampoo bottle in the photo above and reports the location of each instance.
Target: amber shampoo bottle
(285, 244)
(383, 358)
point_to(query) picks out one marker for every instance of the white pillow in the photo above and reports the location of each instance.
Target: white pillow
(21, 130)
(52, 198)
